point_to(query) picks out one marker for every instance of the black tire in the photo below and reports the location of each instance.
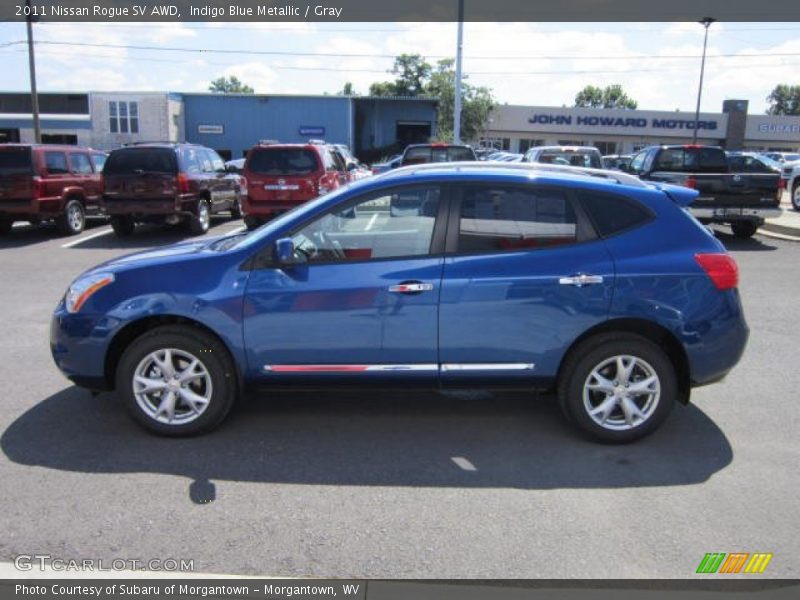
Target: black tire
(796, 195)
(744, 229)
(200, 221)
(236, 208)
(213, 358)
(123, 226)
(252, 222)
(72, 219)
(593, 353)
(5, 225)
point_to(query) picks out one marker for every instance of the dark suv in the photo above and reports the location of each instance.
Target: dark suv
(168, 183)
(42, 182)
(281, 176)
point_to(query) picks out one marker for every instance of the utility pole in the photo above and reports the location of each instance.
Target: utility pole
(459, 48)
(705, 23)
(37, 130)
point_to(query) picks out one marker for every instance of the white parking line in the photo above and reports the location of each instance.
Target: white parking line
(463, 463)
(97, 234)
(371, 222)
(237, 230)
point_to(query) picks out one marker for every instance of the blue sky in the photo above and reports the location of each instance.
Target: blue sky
(524, 63)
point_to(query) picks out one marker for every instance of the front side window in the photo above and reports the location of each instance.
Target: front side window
(504, 219)
(81, 164)
(387, 225)
(56, 163)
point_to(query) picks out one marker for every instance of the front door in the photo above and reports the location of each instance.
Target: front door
(363, 301)
(525, 276)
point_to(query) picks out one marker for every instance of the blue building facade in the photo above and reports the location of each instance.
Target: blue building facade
(233, 123)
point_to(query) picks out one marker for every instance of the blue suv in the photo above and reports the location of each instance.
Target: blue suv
(586, 282)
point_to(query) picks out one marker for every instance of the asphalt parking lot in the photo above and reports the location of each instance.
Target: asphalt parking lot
(396, 484)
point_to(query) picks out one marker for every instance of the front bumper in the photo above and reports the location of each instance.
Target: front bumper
(79, 344)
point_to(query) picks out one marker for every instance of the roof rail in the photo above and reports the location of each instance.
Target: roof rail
(617, 176)
(146, 142)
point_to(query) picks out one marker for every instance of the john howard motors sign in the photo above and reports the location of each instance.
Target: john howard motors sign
(620, 123)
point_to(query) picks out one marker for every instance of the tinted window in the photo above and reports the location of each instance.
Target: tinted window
(389, 225)
(747, 164)
(134, 161)
(566, 158)
(427, 154)
(15, 161)
(217, 165)
(56, 163)
(283, 161)
(612, 214)
(81, 164)
(498, 219)
(192, 160)
(690, 159)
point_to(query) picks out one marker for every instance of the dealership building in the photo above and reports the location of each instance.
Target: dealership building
(617, 131)
(229, 123)
(233, 123)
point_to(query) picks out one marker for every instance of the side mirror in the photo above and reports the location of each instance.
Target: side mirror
(285, 253)
(352, 166)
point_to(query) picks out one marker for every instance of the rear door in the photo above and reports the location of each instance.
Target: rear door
(84, 176)
(524, 277)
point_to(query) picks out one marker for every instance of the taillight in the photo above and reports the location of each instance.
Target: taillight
(720, 268)
(37, 188)
(182, 181)
(690, 182)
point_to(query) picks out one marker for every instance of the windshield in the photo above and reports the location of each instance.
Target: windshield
(133, 161)
(15, 161)
(283, 161)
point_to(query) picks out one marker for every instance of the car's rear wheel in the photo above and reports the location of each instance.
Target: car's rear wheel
(5, 225)
(177, 380)
(123, 226)
(236, 208)
(200, 221)
(617, 387)
(744, 229)
(73, 219)
(252, 222)
(796, 195)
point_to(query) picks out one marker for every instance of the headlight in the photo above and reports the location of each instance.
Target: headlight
(83, 288)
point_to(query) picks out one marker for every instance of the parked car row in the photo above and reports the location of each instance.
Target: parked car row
(171, 183)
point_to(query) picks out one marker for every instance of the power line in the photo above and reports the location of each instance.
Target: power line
(359, 55)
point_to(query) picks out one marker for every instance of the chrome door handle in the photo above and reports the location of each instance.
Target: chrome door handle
(412, 287)
(580, 280)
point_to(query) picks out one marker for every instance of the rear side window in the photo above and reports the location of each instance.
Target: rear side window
(501, 219)
(56, 163)
(15, 161)
(613, 214)
(135, 161)
(81, 164)
(709, 160)
(283, 161)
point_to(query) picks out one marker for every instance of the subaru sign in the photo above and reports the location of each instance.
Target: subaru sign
(311, 130)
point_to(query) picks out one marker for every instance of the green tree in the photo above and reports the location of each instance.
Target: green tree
(476, 102)
(229, 85)
(348, 90)
(412, 71)
(784, 99)
(612, 96)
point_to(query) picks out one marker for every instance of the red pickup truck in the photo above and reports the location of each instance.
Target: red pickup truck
(43, 182)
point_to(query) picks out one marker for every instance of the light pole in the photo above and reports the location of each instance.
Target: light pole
(457, 104)
(706, 22)
(37, 131)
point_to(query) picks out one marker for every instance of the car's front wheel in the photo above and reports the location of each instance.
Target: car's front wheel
(796, 195)
(617, 387)
(177, 380)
